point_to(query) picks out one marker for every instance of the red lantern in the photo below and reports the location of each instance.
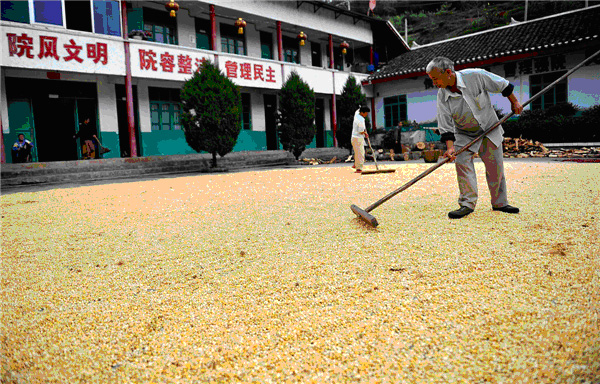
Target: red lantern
(241, 24)
(172, 6)
(302, 37)
(344, 47)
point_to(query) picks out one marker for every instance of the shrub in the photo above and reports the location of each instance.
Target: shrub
(210, 111)
(556, 124)
(295, 123)
(349, 101)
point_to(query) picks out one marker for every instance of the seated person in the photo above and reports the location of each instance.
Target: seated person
(21, 150)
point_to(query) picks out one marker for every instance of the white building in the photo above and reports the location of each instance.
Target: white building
(64, 61)
(531, 55)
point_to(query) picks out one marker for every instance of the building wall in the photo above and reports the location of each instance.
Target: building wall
(107, 75)
(289, 13)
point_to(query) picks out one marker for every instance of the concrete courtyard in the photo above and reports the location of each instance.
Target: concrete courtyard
(267, 276)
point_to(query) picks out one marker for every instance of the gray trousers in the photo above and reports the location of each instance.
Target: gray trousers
(494, 173)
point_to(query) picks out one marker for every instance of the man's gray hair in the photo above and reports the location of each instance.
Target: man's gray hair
(441, 63)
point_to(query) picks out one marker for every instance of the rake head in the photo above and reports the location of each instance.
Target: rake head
(364, 215)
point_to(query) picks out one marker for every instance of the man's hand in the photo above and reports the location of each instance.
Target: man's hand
(515, 106)
(450, 153)
(366, 134)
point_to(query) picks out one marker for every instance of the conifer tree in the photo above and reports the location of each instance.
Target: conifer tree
(296, 126)
(349, 101)
(211, 105)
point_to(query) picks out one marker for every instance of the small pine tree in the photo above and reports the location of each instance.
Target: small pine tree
(211, 111)
(349, 101)
(296, 127)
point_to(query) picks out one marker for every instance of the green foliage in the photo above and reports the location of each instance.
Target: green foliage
(211, 105)
(295, 124)
(349, 101)
(556, 124)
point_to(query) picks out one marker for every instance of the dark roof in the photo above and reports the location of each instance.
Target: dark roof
(511, 42)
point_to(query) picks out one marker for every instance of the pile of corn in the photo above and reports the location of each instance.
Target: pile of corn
(269, 277)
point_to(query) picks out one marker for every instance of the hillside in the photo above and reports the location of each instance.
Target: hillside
(431, 21)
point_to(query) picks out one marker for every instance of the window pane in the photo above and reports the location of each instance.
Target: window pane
(107, 20)
(48, 11)
(154, 118)
(17, 11)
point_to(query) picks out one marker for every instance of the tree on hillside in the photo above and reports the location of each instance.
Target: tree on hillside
(349, 101)
(211, 111)
(296, 121)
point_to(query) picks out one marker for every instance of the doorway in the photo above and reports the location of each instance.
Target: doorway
(320, 122)
(54, 106)
(55, 127)
(271, 121)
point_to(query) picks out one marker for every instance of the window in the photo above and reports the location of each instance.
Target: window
(165, 109)
(266, 45)
(291, 50)
(160, 26)
(556, 95)
(78, 14)
(338, 58)
(246, 112)
(17, 11)
(107, 17)
(231, 41)
(315, 49)
(394, 110)
(203, 34)
(48, 12)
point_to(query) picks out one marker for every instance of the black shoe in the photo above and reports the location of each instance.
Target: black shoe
(507, 209)
(460, 213)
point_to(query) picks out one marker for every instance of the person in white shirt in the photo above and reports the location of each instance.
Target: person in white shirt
(359, 133)
(464, 111)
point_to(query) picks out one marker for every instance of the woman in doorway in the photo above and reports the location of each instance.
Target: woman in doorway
(87, 134)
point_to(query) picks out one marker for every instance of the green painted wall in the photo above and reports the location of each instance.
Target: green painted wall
(160, 143)
(251, 141)
(111, 140)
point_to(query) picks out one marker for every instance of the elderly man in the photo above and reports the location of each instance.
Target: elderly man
(464, 111)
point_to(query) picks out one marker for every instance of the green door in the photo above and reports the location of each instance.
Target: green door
(20, 120)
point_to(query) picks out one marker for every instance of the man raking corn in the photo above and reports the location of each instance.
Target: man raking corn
(464, 111)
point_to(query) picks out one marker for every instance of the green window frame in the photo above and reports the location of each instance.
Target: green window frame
(291, 50)
(556, 95)
(17, 11)
(232, 41)
(394, 110)
(203, 34)
(165, 116)
(165, 109)
(160, 27)
(246, 115)
(266, 45)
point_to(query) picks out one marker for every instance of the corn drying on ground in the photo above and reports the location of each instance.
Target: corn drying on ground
(267, 276)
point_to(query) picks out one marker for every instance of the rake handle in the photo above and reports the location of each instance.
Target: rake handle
(373, 152)
(490, 129)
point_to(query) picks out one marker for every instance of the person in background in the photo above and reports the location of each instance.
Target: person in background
(464, 111)
(359, 133)
(21, 150)
(87, 134)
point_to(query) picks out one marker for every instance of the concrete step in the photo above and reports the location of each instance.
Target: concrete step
(14, 175)
(102, 169)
